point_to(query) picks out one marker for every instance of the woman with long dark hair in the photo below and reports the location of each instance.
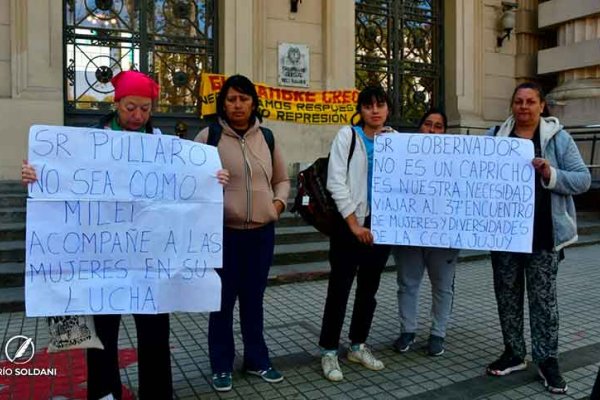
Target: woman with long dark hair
(254, 199)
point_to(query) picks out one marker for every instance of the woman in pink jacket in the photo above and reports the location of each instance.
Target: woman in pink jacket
(254, 199)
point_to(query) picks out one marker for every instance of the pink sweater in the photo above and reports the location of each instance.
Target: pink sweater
(255, 182)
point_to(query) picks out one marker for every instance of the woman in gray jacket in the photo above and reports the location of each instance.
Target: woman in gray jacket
(560, 174)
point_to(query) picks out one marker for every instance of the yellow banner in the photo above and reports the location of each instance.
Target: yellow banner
(334, 107)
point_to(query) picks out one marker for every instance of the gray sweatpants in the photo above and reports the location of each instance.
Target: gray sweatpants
(411, 263)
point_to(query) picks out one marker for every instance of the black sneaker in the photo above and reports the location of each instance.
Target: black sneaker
(222, 382)
(553, 380)
(436, 346)
(270, 374)
(402, 344)
(506, 364)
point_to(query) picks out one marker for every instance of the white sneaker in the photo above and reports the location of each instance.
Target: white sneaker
(331, 367)
(364, 356)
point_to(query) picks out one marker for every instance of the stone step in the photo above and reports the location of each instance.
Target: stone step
(294, 245)
(286, 254)
(12, 187)
(12, 231)
(290, 229)
(12, 275)
(290, 219)
(587, 221)
(12, 214)
(298, 234)
(12, 251)
(291, 254)
(283, 235)
(586, 240)
(593, 216)
(12, 299)
(281, 274)
(587, 227)
(289, 257)
(13, 200)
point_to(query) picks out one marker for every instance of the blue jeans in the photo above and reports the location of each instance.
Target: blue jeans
(411, 263)
(247, 257)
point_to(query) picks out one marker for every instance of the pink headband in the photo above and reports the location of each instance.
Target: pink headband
(134, 83)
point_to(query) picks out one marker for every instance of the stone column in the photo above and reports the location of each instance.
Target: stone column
(528, 40)
(576, 58)
(236, 33)
(31, 75)
(464, 49)
(338, 44)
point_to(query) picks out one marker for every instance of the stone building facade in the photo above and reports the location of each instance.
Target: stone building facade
(555, 41)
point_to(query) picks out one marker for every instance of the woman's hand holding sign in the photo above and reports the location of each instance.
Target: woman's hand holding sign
(28, 174)
(542, 166)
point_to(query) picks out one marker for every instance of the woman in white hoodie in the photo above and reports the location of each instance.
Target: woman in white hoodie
(351, 250)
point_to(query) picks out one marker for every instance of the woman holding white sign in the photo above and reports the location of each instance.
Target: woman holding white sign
(411, 262)
(560, 174)
(134, 94)
(351, 248)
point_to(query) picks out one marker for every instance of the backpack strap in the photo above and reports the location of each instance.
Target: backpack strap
(352, 146)
(214, 134)
(270, 139)
(215, 130)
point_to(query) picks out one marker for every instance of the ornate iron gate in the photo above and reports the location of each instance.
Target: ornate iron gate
(399, 46)
(172, 40)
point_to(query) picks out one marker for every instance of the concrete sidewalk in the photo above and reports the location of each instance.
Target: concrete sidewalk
(292, 323)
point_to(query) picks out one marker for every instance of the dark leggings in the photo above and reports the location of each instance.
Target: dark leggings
(154, 358)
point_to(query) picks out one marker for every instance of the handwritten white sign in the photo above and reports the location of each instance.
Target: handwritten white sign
(121, 223)
(453, 191)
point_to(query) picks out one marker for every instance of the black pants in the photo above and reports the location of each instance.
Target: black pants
(247, 257)
(154, 358)
(349, 258)
(596, 390)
